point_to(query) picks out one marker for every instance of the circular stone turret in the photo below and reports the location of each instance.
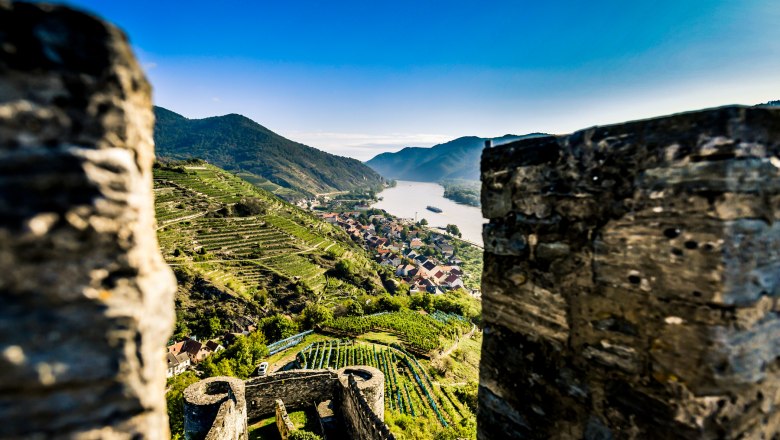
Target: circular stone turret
(215, 408)
(370, 382)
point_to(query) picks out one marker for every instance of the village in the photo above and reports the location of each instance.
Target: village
(424, 259)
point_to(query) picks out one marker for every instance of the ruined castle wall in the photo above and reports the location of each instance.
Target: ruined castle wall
(215, 409)
(296, 388)
(87, 301)
(358, 402)
(631, 281)
(283, 422)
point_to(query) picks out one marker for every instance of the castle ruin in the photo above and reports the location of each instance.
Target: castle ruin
(630, 282)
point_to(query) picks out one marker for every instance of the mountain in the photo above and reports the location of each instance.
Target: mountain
(456, 159)
(257, 154)
(240, 253)
(772, 103)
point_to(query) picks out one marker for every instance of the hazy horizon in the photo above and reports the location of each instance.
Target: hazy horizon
(358, 79)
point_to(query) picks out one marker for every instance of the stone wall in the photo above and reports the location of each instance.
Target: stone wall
(359, 402)
(283, 423)
(87, 301)
(631, 281)
(358, 411)
(296, 388)
(215, 409)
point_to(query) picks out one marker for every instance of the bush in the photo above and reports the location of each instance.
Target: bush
(314, 315)
(278, 327)
(238, 360)
(303, 435)
(175, 401)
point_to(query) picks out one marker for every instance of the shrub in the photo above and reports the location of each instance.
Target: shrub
(303, 435)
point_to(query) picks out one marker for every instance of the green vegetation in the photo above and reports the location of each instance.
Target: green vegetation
(239, 251)
(453, 229)
(419, 331)
(238, 360)
(415, 405)
(270, 161)
(175, 401)
(462, 191)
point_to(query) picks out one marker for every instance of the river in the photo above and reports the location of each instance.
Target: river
(409, 199)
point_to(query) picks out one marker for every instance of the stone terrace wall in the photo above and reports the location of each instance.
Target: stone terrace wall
(296, 388)
(86, 301)
(631, 281)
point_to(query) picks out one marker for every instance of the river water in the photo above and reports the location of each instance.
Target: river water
(409, 199)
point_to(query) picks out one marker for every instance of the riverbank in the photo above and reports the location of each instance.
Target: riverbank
(409, 200)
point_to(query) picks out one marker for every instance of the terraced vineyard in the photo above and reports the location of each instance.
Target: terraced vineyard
(420, 332)
(409, 389)
(242, 239)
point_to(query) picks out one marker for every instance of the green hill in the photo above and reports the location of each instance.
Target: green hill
(240, 252)
(456, 159)
(262, 157)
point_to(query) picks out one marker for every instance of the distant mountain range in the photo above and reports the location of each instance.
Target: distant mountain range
(456, 159)
(773, 103)
(238, 144)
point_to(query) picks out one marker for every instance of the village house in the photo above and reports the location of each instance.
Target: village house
(177, 364)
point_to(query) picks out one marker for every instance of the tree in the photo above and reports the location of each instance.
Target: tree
(355, 309)
(278, 327)
(214, 326)
(453, 229)
(314, 315)
(421, 301)
(423, 222)
(175, 401)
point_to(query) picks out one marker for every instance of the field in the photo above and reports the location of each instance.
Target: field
(243, 239)
(422, 333)
(410, 391)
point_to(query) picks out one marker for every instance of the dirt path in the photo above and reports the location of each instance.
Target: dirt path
(468, 335)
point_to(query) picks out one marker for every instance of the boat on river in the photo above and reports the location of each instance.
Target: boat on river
(433, 208)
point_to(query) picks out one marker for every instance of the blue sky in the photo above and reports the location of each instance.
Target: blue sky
(360, 77)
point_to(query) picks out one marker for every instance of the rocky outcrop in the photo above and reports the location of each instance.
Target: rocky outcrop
(87, 301)
(631, 281)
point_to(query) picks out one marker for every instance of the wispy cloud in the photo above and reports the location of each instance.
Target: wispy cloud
(215, 99)
(149, 66)
(364, 146)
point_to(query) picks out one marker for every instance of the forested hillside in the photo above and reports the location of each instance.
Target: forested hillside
(238, 144)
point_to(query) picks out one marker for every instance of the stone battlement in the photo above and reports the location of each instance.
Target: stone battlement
(217, 407)
(631, 280)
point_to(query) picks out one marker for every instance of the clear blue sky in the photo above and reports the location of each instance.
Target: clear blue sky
(360, 77)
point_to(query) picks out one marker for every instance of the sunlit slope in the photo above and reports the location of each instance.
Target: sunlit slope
(244, 240)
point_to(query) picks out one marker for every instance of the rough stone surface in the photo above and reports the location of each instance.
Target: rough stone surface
(631, 281)
(215, 409)
(357, 394)
(298, 389)
(87, 301)
(283, 422)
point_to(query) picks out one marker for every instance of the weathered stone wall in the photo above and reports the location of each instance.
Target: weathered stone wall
(370, 382)
(358, 411)
(215, 409)
(283, 422)
(360, 403)
(631, 281)
(296, 388)
(87, 301)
